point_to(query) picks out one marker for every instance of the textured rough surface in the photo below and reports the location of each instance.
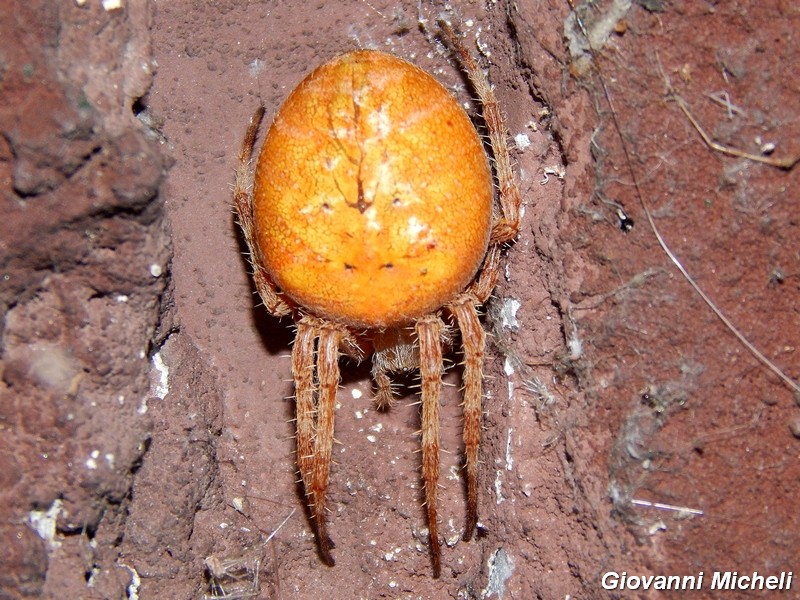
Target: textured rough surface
(85, 254)
(144, 404)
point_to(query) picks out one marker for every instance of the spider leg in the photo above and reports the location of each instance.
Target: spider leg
(483, 285)
(328, 376)
(429, 335)
(244, 176)
(393, 350)
(474, 344)
(505, 228)
(384, 397)
(243, 204)
(303, 373)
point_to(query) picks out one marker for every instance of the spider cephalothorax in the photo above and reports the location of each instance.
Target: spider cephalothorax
(372, 220)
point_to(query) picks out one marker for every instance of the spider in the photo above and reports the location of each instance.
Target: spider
(373, 221)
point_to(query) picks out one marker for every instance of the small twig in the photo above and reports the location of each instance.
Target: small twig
(662, 506)
(278, 528)
(723, 99)
(727, 433)
(633, 283)
(780, 163)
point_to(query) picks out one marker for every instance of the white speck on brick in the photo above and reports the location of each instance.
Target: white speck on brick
(501, 567)
(162, 387)
(509, 459)
(43, 522)
(498, 487)
(133, 586)
(91, 462)
(508, 313)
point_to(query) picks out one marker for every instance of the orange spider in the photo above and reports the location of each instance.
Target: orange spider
(372, 221)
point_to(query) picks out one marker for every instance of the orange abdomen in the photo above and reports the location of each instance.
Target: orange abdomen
(373, 195)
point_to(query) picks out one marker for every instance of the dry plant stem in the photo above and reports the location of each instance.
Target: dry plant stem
(715, 309)
(429, 334)
(279, 527)
(672, 507)
(780, 163)
(646, 209)
(474, 342)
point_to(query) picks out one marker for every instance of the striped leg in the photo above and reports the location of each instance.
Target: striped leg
(315, 411)
(328, 376)
(243, 204)
(305, 391)
(474, 344)
(429, 334)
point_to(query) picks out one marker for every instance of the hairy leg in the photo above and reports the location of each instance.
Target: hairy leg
(483, 285)
(303, 353)
(383, 397)
(506, 227)
(429, 334)
(393, 350)
(328, 376)
(243, 204)
(474, 344)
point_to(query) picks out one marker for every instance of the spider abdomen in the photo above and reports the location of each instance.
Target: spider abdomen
(373, 195)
